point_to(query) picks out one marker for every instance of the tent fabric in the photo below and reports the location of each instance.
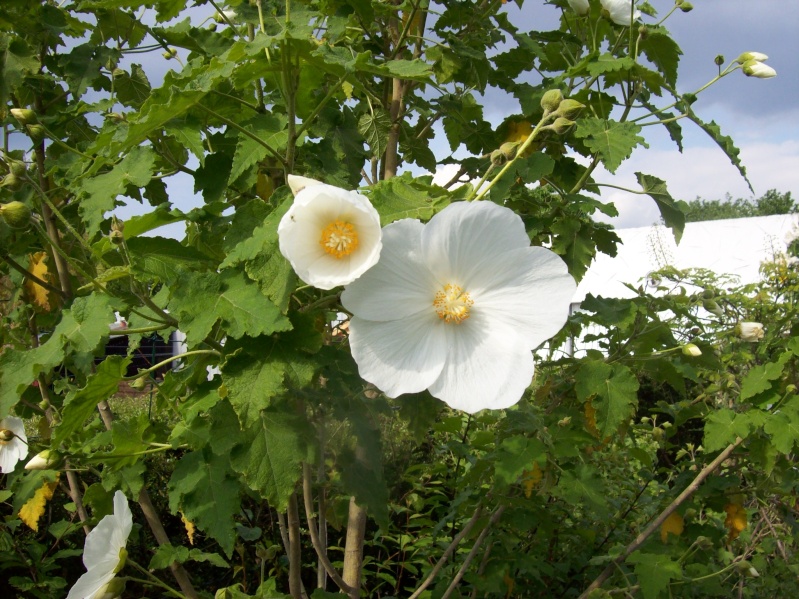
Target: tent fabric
(731, 246)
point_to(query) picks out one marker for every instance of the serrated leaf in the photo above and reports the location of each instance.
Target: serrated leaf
(19, 369)
(663, 51)
(612, 391)
(133, 88)
(669, 209)
(271, 454)
(264, 237)
(582, 485)
(98, 194)
(271, 130)
(163, 259)
(607, 63)
(654, 572)
(375, 129)
(199, 300)
(526, 170)
(17, 61)
(783, 426)
(187, 131)
(760, 377)
(723, 426)
(81, 404)
(724, 142)
(202, 487)
(515, 455)
(407, 196)
(611, 140)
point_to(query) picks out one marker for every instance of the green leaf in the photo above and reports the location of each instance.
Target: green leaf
(163, 260)
(760, 377)
(407, 196)
(525, 171)
(271, 453)
(606, 63)
(783, 426)
(663, 51)
(84, 325)
(375, 129)
(132, 89)
(199, 300)
(654, 572)
(515, 455)
(264, 238)
(98, 194)
(271, 130)
(672, 215)
(82, 404)
(723, 426)
(724, 142)
(130, 437)
(612, 141)
(612, 390)
(187, 130)
(255, 378)
(19, 369)
(204, 490)
(582, 485)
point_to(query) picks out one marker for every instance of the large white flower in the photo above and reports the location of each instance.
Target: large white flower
(456, 306)
(330, 236)
(13, 443)
(104, 553)
(619, 11)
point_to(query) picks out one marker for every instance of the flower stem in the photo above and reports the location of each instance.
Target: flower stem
(171, 359)
(153, 579)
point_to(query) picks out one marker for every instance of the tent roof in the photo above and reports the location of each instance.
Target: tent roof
(731, 246)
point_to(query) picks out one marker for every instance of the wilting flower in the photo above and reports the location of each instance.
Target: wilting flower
(619, 11)
(104, 553)
(330, 236)
(13, 443)
(456, 306)
(760, 70)
(750, 331)
(579, 6)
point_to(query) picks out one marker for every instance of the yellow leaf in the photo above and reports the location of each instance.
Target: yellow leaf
(735, 520)
(36, 293)
(674, 525)
(34, 507)
(590, 418)
(190, 528)
(530, 478)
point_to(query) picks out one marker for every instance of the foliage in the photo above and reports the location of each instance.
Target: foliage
(262, 464)
(771, 202)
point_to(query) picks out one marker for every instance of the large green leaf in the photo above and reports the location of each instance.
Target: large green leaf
(612, 390)
(654, 572)
(163, 259)
(670, 210)
(611, 140)
(407, 197)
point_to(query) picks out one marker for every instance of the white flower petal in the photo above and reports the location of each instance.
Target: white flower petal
(465, 233)
(92, 581)
(400, 284)
(619, 11)
(400, 356)
(16, 449)
(529, 290)
(579, 6)
(488, 367)
(300, 231)
(298, 183)
(110, 535)
(8, 458)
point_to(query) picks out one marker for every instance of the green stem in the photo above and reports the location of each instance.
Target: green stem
(172, 359)
(57, 213)
(150, 329)
(152, 579)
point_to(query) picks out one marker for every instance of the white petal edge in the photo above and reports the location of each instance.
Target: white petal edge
(529, 290)
(400, 284)
(92, 580)
(400, 356)
(465, 233)
(487, 367)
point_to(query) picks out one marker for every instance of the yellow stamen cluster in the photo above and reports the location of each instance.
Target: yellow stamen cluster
(452, 304)
(339, 239)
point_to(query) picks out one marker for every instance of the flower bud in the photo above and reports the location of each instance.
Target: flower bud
(643, 31)
(712, 307)
(118, 73)
(169, 54)
(570, 108)
(17, 167)
(43, 460)
(139, 384)
(117, 117)
(12, 182)
(36, 132)
(116, 237)
(562, 125)
(25, 116)
(704, 543)
(16, 214)
(750, 331)
(755, 68)
(708, 294)
(747, 56)
(719, 60)
(551, 100)
(745, 567)
(689, 349)
(579, 6)
(686, 7)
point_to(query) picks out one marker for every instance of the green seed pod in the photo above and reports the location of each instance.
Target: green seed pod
(570, 108)
(36, 132)
(116, 237)
(25, 116)
(16, 214)
(686, 7)
(11, 181)
(562, 125)
(140, 383)
(551, 100)
(708, 294)
(719, 60)
(18, 168)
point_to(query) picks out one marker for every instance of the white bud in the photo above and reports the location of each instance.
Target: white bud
(747, 56)
(754, 68)
(750, 331)
(579, 6)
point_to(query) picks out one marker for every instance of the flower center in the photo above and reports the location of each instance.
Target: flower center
(6, 436)
(452, 304)
(339, 239)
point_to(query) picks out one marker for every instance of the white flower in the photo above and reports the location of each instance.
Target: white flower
(750, 331)
(579, 6)
(755, 68)
(330, 236)
(104, 553)
(456, 306)
(13, 443)
(619, 11)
